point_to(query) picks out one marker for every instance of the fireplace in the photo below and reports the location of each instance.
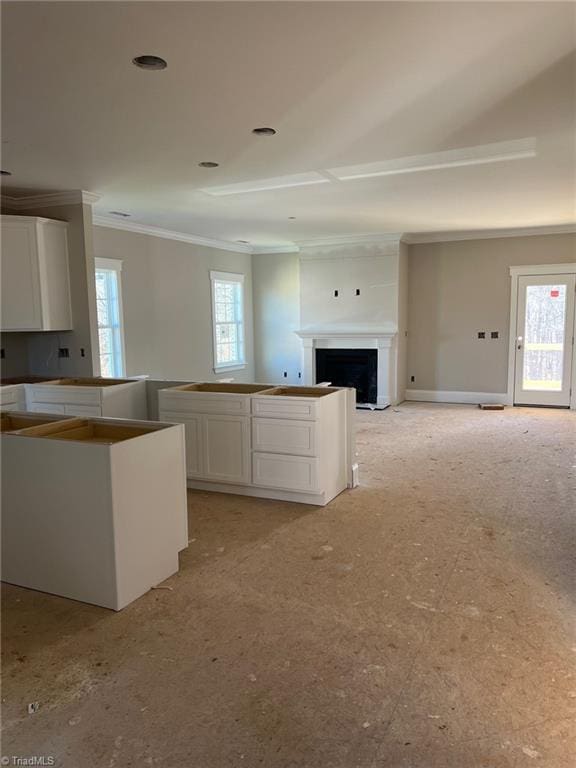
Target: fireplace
(376, 339)
(356, 368)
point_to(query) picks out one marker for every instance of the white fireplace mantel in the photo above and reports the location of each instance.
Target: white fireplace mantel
(381, 337)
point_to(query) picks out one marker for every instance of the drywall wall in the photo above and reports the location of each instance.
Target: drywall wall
(402, 339)
(459, 288)
(276, 287)
(15, 354)
(167, 303)
(371, 269)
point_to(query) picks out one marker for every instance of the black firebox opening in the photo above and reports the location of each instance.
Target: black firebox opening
(356, 368)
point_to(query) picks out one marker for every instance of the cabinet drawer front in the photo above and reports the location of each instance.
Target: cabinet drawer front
(14, 397)
(44, 393)
(83, 410)
(12, 406)
(284, 436)
(285, 407)
(201, 402)
(47, 408)
(289, 473)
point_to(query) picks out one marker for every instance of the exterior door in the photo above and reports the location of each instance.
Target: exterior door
(544, 340)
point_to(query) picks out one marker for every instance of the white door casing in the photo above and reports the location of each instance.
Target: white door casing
(542, 363)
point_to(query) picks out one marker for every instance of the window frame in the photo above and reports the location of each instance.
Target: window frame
(228, 277)
(113, 265)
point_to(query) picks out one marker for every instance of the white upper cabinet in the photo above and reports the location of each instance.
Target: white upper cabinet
(34, 271)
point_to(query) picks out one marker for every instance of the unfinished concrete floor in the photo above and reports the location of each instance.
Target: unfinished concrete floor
(423, 620)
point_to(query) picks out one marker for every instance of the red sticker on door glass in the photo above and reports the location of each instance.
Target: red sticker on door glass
(554, 294)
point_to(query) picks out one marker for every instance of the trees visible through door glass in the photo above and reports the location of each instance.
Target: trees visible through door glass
(544, 337)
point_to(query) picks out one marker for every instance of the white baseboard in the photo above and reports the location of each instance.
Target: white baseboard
(439, 396)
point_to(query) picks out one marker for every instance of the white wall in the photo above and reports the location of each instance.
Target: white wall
(372, 268)
(276, 278)
(167, 303)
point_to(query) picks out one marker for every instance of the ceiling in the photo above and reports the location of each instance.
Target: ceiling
(343, 84)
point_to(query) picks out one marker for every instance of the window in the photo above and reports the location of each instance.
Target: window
(109, 305)
(228, 320)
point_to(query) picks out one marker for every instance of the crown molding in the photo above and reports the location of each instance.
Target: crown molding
(29, 202)
(168, 234)
(413, 238)
(320, 242)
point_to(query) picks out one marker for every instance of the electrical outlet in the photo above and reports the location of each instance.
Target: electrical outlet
(481, 334)
(63, 352)
(82, 352)
(299, 374)
(336, 294)
(412, 379)
(285, 374)
(494, 334)
(357, 291)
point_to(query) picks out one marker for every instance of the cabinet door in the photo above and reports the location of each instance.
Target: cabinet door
(193, 437)
(21, 303)
(226, 448)
(193, 429)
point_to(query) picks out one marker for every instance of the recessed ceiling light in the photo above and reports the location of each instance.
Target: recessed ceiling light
(120, 213)
(5, 173)
(291, 217)
(149, 62)
(264, 131)
(208, 164)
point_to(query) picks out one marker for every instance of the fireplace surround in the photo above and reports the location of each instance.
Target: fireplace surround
(382, 338)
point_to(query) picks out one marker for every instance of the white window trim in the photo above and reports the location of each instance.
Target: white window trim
(529, 270)
(230, 277)
(116, 265)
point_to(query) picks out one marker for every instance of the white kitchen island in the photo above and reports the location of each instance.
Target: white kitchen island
(92, 509)
(290, 443)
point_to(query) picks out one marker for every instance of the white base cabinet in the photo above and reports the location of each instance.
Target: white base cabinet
(116, 398)
(92, 509)
(292, 443)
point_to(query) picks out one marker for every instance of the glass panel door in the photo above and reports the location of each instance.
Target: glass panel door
(544, 340)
